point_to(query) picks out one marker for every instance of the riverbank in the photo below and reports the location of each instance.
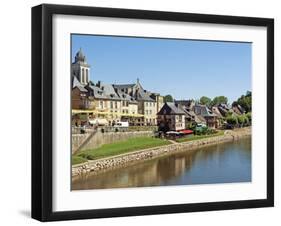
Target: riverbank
(109, 163)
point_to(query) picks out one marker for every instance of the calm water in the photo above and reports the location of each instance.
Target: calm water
(222, 163)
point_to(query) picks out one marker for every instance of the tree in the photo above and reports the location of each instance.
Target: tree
(219, 100)
(168, 98)
(205, 100)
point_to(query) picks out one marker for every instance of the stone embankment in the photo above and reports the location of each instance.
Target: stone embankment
(109, 163)
(100, 138)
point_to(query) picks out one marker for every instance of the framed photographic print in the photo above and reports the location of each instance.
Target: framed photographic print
(145, 112)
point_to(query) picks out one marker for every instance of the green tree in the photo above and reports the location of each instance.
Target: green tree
(168, 98)
(219, 100)
(205, 100)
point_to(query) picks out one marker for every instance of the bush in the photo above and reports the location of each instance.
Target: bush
(249, 116)
(241, 119)
(232, 120)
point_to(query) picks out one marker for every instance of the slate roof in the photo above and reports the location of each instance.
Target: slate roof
(185, 103)
(97, 92)
(142, 95)
(171, 109)
(123, 86)
(76, 83)
(126, 97)
(203, 111)
(192, 115)
(238, 109)
(217, 111)
(108, 91)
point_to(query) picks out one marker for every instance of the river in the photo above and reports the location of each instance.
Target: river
(222, 163)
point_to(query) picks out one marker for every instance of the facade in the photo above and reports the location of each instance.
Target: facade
(190, 117)
(129, 108)
(79, 95)
(171, 117)
(147, 106)
(159, 100)
(211, 118)
(106, 101)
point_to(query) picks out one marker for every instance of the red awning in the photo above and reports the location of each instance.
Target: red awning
(186, 131)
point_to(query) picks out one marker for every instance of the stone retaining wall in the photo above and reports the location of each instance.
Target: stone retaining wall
(100, 165)
(110, 137)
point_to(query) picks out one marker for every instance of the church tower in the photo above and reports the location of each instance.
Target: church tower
(80, 69)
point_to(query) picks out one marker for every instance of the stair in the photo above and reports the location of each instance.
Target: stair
(85, 141)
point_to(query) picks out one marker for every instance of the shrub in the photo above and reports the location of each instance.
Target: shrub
(241, 119)
(249, 116)
(232, 120)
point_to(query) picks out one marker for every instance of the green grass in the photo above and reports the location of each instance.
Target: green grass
(117, 148)
(77, 159)
(198, 137)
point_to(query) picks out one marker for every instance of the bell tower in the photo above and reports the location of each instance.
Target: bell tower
(80, 69)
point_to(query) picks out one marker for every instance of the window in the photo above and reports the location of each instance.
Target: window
(87, 76)
(111, 104)
(82, 76)
(180, 118)
(101, 104)
(116, 104)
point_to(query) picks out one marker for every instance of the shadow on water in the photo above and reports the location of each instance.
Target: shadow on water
(222, 163)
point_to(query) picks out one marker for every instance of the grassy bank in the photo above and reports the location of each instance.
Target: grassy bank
(197, 137)
(117, 148)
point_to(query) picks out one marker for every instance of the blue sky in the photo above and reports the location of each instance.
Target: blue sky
(186, 69)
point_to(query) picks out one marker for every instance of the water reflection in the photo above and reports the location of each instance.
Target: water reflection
(222, 163)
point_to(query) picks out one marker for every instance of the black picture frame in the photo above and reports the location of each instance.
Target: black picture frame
(42, 196)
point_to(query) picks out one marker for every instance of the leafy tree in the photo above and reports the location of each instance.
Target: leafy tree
(205, 100)
(219, 100)
(168, 98)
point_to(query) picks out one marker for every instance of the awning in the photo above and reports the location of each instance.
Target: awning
(186, 131)
(98, 121)
(98, 112)
(172, 132)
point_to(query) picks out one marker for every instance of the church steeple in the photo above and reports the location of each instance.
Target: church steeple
(80, 68)
(80, 57)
